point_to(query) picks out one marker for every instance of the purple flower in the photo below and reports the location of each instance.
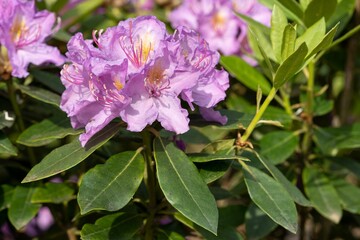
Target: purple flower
(140, 73)
(40, 224)
(218, 24)
(23, 32)
(145, 5)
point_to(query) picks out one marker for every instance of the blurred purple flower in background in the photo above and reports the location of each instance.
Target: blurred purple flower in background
(216, 21)
(40, 224)
(23, 32)
(139, 72)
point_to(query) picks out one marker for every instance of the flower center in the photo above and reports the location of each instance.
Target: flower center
(21, 34)
(137, 50)
(218, 22)
(156, 80)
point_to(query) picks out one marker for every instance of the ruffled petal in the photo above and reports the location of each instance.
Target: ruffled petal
(171, 116)
(95, 124)
(209, 114)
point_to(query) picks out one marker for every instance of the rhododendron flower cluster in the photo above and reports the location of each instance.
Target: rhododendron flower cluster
(217, 22)
(23, 32)
(139, 72)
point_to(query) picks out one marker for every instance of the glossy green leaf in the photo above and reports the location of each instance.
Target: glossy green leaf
(6, 193)
(258, 224)
(21, 210)
(56, 128)
(6, 147)
(118, 178)
(41, 94)
(293, 191)
(349, 195)
(290, 66)
(236, 119)
(113, 227)
(278, 24)
(277, 114)
(322, 194)
(211, 171)
(79, 11)
(288, 42)
(246, 74)
(318, 9)
(271, 197)
(331, 140)
(69, 155)
(50, 80)
(277, 146)
(206, 157)
(313, 36)
(53, 193)
(183, 187)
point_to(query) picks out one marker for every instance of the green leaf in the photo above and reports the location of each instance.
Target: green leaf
(277, 146)
(258, 224)
(53, 193)
(332, 140)
(56, 128)
(272, 198)
(118, 178)
(6, 147)
(349, 195)
(290, 66)
(41, 94)
(236, 119)
(291, 8)
(348, 163)
(288, 42)
(206, 157)
(69, 155)
(224, 232)
(313, 36)
(113, 227)
(343, 13)
(293, 191)
(304, 3)
(6, 193)
(278, 24)
(21, 210)
(62, 35)
(246, 74)
(277, 114)
(322, 194)
(183, 187)
(261, 40)
(79, 11)
(325, 43)
(50, 80)
(253, 23)
(318, 9)
(166, 235)
(211, 171)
